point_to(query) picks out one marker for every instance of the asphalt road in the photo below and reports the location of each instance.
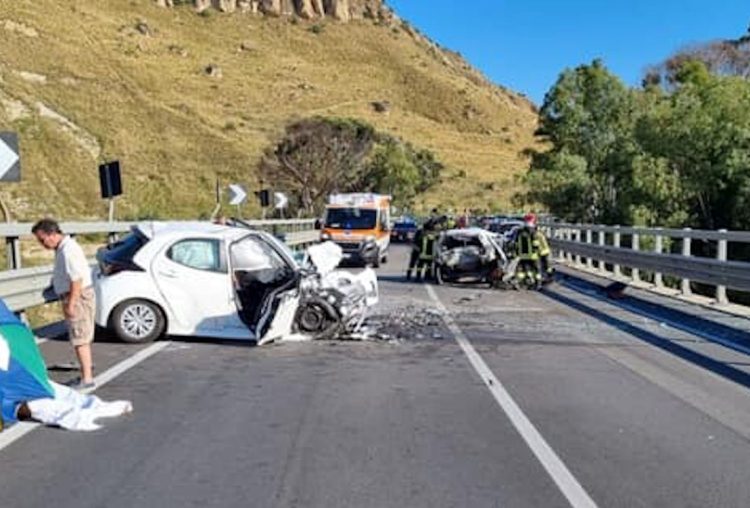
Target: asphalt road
(511, 399)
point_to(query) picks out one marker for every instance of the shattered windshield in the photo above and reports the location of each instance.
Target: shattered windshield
(351, 218)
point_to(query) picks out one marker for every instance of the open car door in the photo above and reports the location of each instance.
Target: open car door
(266, 284)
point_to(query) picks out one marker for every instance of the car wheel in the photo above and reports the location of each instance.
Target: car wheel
(138, 321)
(317, 319)
(384, 260)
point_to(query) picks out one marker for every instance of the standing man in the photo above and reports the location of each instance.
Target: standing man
(544, 251)
(71, 281)
(527, 249)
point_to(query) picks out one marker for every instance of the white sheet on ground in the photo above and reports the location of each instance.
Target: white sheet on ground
(75, 411)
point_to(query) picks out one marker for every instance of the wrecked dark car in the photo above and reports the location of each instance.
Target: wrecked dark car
(469, 255)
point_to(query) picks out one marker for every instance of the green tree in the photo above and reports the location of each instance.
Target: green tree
(588, 118)
(317, 157)
(702, 132)
(397, 168)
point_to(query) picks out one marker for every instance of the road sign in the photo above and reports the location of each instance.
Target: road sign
(280, 200)
(109, 179)
(237, 194)
(265, 197)
(10, 158)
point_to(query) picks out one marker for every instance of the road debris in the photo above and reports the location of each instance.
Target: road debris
(403, 324)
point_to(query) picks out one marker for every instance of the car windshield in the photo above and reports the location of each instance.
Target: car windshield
(351, 218)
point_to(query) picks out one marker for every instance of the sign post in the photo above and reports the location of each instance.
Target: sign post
(111, 184)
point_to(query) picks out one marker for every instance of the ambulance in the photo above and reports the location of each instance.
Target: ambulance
(360, 224)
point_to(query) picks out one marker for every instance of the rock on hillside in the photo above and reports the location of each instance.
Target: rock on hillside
(343, 10)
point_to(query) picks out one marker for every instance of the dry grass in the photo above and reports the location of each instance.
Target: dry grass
(147, 101)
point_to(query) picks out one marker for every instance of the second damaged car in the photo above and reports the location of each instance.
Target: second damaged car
(473, 254)
(227, 282)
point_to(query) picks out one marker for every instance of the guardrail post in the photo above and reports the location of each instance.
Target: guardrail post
(616, 241)
(14, 252)
(658, 249)
(589, 240)
(578, 240)
(686, 251)
(602, 243)
(636, 245)
(721, 255)
(569, 237)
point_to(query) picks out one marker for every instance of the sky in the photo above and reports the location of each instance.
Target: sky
(525, 44)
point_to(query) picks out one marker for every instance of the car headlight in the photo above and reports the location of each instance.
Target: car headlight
(370, 239)
(324, 237)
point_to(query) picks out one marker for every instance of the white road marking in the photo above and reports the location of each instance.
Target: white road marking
(20, 429)
(560, 474)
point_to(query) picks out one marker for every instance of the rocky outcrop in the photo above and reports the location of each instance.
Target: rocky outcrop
(342, 10)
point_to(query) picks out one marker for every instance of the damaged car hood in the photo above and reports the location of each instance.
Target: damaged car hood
(332, 302)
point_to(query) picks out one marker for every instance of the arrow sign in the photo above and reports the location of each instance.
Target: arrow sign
(237, 194)
(10, 161)
(280, 200)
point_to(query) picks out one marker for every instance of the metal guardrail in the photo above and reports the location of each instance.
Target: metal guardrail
(576, 245)
(22, 288)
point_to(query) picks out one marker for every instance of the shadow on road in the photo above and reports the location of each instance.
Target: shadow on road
(723, 369)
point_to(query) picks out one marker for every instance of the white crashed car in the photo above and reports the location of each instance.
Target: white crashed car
(228, 282)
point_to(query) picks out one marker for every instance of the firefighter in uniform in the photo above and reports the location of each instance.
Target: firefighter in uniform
(426, 250)
(422, 249)
(528, 250)
(415, 250)
(534, 251)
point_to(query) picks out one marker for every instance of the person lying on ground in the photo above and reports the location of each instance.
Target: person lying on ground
(71, 410)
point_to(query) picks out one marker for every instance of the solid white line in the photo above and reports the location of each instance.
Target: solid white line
(20, 429)
(566, 482)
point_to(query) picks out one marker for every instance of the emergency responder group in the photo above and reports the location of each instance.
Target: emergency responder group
(527, 243)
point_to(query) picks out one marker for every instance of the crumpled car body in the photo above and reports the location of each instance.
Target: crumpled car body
(333, 303)
(222, 281)
(471, 254)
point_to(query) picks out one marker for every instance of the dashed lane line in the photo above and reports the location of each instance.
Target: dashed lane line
(555, 467)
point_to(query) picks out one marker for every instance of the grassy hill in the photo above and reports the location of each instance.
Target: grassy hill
(87, 81)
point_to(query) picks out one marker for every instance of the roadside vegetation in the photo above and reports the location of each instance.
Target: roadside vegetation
(182, 99)
(674, 152)
(319, 156)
